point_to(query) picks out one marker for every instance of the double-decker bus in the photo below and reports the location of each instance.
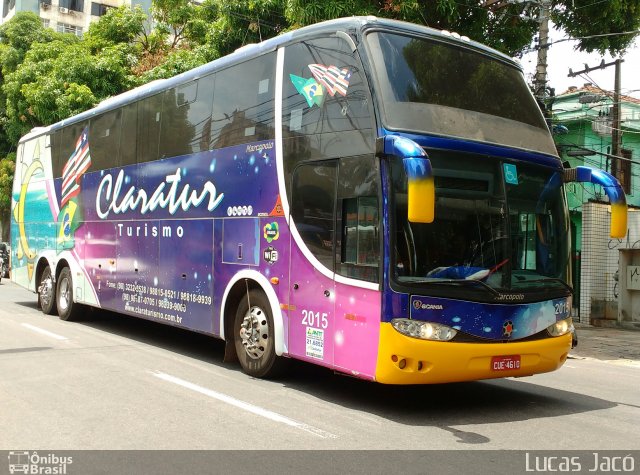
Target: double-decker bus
(376, 197)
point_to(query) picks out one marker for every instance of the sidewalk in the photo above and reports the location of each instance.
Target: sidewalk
(608, 344)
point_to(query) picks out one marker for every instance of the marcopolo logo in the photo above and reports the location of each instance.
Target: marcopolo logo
(24, 461)
(510, 297)
(419, 305)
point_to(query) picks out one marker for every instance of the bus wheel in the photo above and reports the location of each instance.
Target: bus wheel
(67, 309)
(47, 292)
(254, 336)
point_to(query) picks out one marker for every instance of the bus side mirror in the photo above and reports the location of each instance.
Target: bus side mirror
(611, 187)
(421, 197)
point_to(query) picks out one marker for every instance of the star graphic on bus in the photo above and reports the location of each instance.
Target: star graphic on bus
(507, 329)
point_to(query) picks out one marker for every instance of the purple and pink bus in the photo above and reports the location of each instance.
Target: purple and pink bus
(372, 196)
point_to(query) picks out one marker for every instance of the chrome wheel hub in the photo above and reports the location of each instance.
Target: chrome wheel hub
(46, 291)
(63, 297)
(254, 332)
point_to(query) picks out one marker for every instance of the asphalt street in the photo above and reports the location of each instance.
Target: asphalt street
(114, 382)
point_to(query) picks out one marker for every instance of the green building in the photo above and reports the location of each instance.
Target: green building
(583, 120)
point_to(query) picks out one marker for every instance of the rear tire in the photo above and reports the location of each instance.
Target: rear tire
(47, 292)
(68, 310)
(254, 337)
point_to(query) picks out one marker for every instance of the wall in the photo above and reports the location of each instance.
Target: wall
(599, 288)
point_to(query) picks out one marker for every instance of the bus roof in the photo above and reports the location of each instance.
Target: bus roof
(356, 23)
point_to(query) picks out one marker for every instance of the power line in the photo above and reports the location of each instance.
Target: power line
(574, 38)
(608, 155)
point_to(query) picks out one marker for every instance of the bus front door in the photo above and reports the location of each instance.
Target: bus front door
(312, 286)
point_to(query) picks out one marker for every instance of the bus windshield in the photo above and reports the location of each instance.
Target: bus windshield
(498, 226)
(427, 86)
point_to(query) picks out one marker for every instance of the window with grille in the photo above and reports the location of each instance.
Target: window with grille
(66, 28)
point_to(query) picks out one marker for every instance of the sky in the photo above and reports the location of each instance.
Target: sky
(562, 56)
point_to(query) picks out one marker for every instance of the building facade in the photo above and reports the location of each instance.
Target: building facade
(583, 120)
(66, 16)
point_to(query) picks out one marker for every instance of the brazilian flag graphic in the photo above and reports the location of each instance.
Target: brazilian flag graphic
(70, 215)
(309, 88)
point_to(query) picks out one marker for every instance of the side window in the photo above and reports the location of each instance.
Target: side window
(129, 140)
(243, 109)
(56, 153)
(358, 250)
(186, 118)
(104, 140)
(326, 112)
(313, 208)
(70, 136)
(149, 115)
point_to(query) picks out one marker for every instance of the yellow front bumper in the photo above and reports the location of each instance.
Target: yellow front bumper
(406, 360)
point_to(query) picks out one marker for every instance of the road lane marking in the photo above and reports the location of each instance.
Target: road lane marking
(259, 411)
(44, 332)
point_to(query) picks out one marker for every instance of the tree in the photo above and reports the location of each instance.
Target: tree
(174, 63)
(123, 25)
(507, 26)
(599, 26)
(235, 23)
(175, 19)
(7, 168)
(60, 79)
(16, 37)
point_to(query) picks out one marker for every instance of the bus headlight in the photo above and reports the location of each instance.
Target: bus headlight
(561, 327)
(423, 330)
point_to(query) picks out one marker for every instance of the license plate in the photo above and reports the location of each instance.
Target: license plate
(505, 363)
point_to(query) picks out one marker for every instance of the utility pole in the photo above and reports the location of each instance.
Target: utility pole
(540, 90)
(540, 81)
(616, 134)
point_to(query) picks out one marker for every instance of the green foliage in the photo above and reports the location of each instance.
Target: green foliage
(62, 78)
(581, 18)
(7, 169)
(17, 36)
(174, 18)
(47, 76)
(301, 12)
(236, 23)
(175, 63)
(119, 26)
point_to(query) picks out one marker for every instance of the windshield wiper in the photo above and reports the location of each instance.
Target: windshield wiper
(462, 282)
(549, 279)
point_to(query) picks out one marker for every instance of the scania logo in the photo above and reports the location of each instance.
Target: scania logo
(510, 297)
(418, 305)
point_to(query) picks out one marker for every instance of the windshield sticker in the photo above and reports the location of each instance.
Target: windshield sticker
(310, 90)
(325, 78)
(332, 78)
(270, 255)
(271, 232)
(315, 343)
(510, 174)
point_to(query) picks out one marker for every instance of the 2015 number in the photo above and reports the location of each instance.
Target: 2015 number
(315, 319)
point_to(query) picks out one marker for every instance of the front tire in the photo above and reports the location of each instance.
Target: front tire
(68, 310)
(47, 292)
(254, 337)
